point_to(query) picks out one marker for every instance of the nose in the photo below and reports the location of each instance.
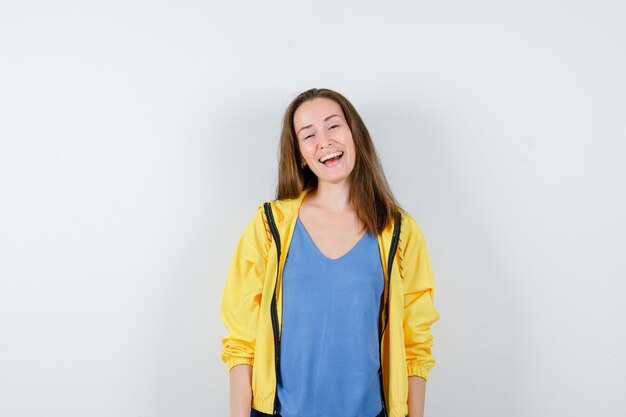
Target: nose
(325, 140)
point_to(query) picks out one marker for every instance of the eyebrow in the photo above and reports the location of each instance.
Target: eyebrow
(307, 126)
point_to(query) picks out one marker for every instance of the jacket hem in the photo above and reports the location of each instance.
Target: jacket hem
(265, 407)
(399, 410)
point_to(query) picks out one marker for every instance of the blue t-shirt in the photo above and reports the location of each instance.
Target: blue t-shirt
(329, 345)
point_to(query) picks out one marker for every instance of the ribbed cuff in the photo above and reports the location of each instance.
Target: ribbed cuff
(231, 361)
(415, 368)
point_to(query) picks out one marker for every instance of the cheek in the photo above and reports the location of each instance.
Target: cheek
(304, 152)
(349, 143)
(352, 152)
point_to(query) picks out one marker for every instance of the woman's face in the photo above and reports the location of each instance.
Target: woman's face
(325, 140)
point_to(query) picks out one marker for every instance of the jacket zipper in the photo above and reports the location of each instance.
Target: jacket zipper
(273, 306)
(385, 308)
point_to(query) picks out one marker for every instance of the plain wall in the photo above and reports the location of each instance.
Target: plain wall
(138, 138)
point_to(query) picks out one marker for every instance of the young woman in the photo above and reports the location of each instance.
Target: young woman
(329, 299)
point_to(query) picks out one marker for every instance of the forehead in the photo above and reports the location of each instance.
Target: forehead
(315, 111)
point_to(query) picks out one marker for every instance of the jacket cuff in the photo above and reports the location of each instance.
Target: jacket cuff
(414, 368)
(232, 361)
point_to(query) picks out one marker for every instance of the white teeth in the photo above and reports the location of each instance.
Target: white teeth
(329, 156)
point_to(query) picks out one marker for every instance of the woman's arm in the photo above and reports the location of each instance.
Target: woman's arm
(240, 390)
(240, 311)
(419, 311)
(417, 393)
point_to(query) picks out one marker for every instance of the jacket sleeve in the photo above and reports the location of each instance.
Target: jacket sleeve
(419, 311)
(242, 294)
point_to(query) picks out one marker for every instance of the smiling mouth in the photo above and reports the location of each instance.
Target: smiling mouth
(335, 156)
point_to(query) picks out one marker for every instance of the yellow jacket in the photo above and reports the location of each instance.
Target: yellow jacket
(252, 300)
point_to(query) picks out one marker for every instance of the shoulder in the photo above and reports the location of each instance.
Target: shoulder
(408, 225)
(279, 208)
(285, 209)
(286, 205)
(411, 229)
(409, 222)
(257, 230)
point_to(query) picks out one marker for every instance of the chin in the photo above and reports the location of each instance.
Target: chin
(335, 180)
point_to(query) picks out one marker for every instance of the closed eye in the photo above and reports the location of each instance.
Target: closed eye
(309, 136)
(334, 126)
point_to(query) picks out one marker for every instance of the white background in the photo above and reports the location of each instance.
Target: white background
(137, 139)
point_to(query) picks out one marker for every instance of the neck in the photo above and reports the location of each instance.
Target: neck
(334, 197)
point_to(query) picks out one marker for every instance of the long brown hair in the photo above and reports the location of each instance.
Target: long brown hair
(370, 194)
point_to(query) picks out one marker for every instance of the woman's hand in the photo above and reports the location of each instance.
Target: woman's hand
(240, 390)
